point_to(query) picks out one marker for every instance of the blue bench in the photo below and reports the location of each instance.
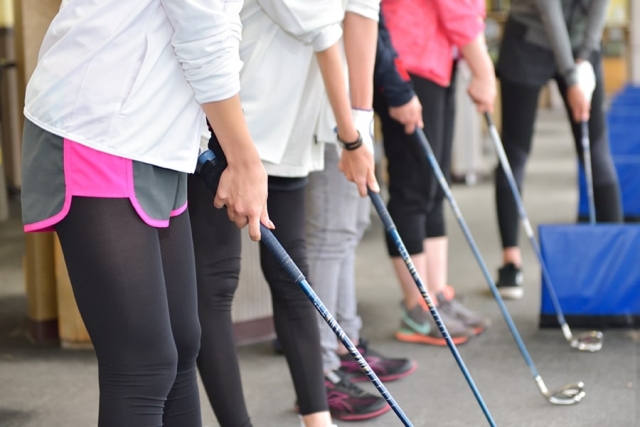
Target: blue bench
(595, 271)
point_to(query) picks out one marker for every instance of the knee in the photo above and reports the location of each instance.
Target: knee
(216, 289)
(151, 368)
(187, 341)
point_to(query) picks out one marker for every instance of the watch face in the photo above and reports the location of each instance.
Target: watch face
(371, 129)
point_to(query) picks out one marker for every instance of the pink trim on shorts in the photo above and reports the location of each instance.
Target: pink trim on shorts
(92, 173)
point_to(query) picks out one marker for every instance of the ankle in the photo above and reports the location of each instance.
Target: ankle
(317, 419)
(512, 255)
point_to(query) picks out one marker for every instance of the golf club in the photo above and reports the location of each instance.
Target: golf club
(210, 167)
(588, 172)
(390, 227)
(567, 395)
(588, 341)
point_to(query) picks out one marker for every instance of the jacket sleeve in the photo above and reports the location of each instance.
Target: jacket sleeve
(205, 47)
(390, 78)
(313, 22)
(556, 28)
(232, 9)
(462, 19)
(595, 25)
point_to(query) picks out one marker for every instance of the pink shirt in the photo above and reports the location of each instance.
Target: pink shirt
(425, 33)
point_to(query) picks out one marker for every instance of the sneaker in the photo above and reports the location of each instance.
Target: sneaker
(454, 308)
(386, 368)
(510, 282)
(418, 326)
(349, 402)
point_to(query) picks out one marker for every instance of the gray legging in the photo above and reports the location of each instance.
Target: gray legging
(519, 106)
(135, 287)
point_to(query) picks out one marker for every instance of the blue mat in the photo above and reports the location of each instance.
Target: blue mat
(596, 273)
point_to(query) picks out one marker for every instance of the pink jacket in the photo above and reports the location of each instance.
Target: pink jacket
(425, 33)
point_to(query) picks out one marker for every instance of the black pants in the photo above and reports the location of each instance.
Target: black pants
(218, 269)
(135, 287)
(415, 197)
(519, 106)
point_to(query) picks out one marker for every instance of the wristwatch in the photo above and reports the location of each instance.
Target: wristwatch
(350, 146)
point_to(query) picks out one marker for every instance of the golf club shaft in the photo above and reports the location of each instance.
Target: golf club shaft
(474, 248)
(506, 167)
(270, 241)
(393, 232)
(588, 172)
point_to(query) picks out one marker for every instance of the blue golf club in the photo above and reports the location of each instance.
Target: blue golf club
(210, 167)
(567, 395)
(588, 341)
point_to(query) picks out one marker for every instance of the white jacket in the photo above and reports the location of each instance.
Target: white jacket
(281, 82)
(127, 77)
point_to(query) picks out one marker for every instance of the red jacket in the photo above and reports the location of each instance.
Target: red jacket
(425, 33)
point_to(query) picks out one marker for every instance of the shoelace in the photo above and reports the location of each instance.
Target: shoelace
(349, 386)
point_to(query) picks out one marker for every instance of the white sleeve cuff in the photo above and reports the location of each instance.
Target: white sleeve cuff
(370, 9)
(327, 37)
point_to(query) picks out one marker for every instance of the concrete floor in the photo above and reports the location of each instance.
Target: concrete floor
(46, 386)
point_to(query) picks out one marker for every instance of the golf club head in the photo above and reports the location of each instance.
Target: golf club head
(588, 341)
(570, 394)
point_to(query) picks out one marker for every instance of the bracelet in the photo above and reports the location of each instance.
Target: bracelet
(350, 146)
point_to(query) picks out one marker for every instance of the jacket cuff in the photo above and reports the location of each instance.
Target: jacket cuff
(585, 53)
(571, 77)
(327, 37)
(400, 98)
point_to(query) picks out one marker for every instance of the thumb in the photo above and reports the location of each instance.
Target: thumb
(265, 220)
(372, 182)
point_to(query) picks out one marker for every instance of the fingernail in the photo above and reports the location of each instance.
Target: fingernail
(272, 225)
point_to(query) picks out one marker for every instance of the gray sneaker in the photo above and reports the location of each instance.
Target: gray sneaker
(456, 309)
(418, 326)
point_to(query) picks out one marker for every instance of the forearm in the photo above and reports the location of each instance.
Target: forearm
(477, 57)
(227, 120)
(331, 67)
(360, 38)
(556, 28)
(595, 26)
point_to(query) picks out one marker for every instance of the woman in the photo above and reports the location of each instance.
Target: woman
(336, 220)
(426, 34)
(114, 110)
(288, 50)
(544, 40)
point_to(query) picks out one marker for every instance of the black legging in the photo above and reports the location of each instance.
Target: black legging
(218, 269)
(135, 287)
(519, 106)
(415, 197)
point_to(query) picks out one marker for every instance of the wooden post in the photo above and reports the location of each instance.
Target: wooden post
(634, 27)
(32, 18)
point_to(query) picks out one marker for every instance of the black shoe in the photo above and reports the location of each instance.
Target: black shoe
(510, 282)
(349, 402)
(386, 368)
